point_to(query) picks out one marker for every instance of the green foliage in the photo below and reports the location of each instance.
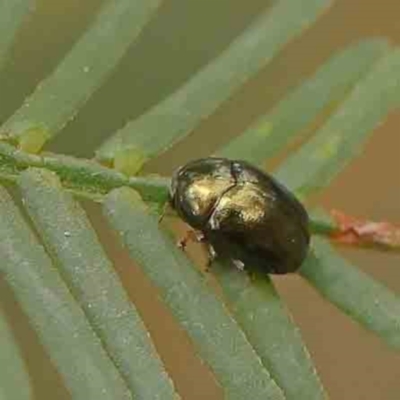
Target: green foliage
(12, 14)
(64, 281)
(291, 117)
(91, 279)
(56, 316)
(14, 380)
(271, 330)
(358, 295)
(342, 136)
(200, 96)
(219, 340)
(81, 72)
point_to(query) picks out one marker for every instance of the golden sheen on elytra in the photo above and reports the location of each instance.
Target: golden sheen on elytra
(243, 213)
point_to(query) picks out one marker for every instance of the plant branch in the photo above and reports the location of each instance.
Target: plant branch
(89, 179)
(85, 178)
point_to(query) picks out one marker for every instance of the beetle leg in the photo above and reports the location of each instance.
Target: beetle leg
(212, 255)
(199, 236)
(238, 264)
(190, 235)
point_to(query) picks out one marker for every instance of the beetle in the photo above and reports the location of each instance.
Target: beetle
(242, 212)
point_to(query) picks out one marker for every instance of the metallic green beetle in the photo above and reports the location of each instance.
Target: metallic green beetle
(243, 213)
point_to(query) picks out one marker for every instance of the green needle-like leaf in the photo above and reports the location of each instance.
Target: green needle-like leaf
(301, 107)
(367, 301)
(14, 379)
(218, 339)
(342, 137)
(268, 326)
(12, 14)
(67, 234)
(59, 97)
(177, 115)
(88, 372)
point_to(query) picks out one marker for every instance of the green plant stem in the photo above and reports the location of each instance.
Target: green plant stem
(89, 274)
(218, 339)
(83, 177)
(60, 323)
(89, 179)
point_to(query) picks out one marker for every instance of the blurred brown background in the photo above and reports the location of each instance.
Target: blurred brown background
(353, 363)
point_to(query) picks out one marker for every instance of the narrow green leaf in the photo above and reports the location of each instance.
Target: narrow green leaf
(176, 116)
(12, 14)
(58, 98)
(14, 378)
(67, 234)
(217, 337)
(270, 329)
(367, 301)
(74, 348)
(300, 108)
(342, 137)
